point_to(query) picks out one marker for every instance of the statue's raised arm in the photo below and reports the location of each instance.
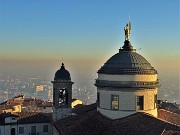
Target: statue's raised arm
(127, 30)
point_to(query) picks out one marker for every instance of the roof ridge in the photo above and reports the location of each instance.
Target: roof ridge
(168, 111)
(168, 122)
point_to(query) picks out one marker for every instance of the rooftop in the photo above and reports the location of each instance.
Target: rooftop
(127, 61)
(89, 122)
(62, 74)
(26, 117)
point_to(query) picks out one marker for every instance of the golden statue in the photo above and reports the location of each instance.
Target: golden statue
(127, 30)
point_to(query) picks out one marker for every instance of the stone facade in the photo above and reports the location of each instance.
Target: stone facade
(7, 129)
(61, 113)
(127, 102)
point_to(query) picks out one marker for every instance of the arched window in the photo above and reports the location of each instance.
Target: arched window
(63, 97)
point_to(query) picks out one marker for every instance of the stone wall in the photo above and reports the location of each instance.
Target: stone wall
(127, 101)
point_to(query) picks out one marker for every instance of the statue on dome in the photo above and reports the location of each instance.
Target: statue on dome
(127, 30)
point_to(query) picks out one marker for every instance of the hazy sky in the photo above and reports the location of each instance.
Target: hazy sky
(85, 33)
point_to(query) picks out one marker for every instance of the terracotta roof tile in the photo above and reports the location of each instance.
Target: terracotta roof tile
(172, 107)
(89, 122)
(33, 117)
(28, 117)
(169, 116)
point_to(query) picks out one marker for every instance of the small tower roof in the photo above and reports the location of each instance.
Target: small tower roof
(62, 74)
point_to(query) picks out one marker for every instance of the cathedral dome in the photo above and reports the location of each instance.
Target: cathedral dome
(127, 61)
(62, 74)
(127, 83)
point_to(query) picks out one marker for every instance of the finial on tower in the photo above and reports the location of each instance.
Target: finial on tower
(127, 30)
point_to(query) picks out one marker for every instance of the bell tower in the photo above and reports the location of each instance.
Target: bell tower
(62, 94)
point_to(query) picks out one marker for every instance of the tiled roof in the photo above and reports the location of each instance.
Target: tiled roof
(3, 103)
(169, 116)
(28, 117)
(80, 108)
(170, 107)
(45, 104)
(33, 117)
(90, 122)
(169, 130)
(5, 115)
(5, 107)
(62, 74)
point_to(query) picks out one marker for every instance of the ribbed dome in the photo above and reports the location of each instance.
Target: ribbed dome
(127, 61)
(62, 74)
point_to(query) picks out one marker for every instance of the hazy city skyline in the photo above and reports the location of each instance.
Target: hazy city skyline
(39, 34)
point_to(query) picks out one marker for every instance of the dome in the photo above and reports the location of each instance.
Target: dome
(127, 83)
(62, 74)
(127, 61)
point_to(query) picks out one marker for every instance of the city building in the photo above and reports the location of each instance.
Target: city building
(21, 104)
(31, 123)
(127, 87)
